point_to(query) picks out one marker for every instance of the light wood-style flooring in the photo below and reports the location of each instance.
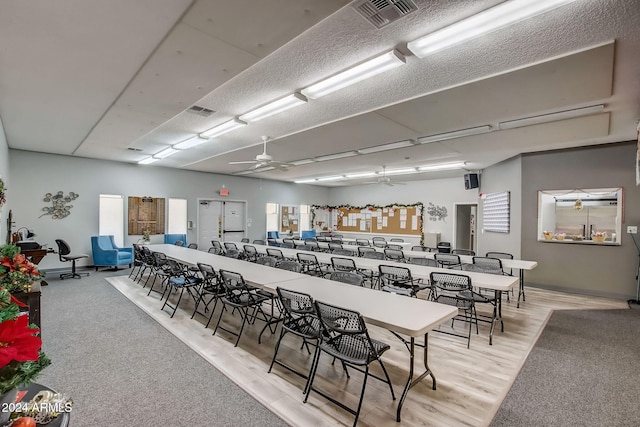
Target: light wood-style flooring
(471, 382)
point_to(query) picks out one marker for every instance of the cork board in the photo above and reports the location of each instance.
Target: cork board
(289, 216)
(146, 213)
(390, 220)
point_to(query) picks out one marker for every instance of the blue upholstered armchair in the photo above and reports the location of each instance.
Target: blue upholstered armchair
(106, 253)
(171, 239)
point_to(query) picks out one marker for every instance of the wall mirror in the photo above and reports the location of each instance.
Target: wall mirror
(585, 216)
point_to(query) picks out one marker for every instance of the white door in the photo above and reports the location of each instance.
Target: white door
(209, 222)
(234, 221)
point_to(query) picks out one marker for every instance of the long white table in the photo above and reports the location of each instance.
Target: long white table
(497, 283)
(408, 316)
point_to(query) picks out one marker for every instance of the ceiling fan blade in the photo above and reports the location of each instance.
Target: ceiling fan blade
(246, 162)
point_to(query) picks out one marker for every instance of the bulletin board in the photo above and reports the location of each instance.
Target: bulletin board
(394, 219)
(289, 219)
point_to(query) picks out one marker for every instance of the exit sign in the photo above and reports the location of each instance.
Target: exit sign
(224, 192)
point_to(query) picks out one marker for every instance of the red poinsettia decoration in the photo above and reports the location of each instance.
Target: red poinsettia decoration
(18, 341)
(17, 273)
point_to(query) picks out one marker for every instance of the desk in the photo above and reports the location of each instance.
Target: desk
(32, 300)
(408, 316)
(36, 255)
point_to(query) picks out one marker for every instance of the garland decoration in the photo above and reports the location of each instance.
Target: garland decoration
(372, 207)
(3, 197)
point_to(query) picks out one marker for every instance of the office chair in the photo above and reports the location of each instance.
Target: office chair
(64, 252)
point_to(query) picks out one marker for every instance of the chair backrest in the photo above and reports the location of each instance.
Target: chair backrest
(105, 243)
(373, 255)
(428, 262)
(487, 265)
(216, 251)
(500, 255)
(444, 247)
(392, 246)
(463, 252)
(364, 249)
(347, 277)
(173, 267)
(216, 244)
(295, 304)
(307, 258)
(288, 243)
(236, 288)
(338, 320)
(208, 273)
(250, 252)
(230, 246)
(244, 240)
(63, 248)
(312, 245)
(394, 275)
(193, 246)
(259, 242)
(363, 242)
(159, 259)
(271, 241)
(231, 253)
(447, 260)
(269, 261)
(290, 266)
(276, 253)
(394, 254)
(418, 248)
(178, 243)
(396, 239)
(343, 252)
(449, 284)
(343, 264)
(380, 242)
(334, 245)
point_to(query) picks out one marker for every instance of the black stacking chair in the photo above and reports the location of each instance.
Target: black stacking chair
(250, 253)
(138, 260)
(259, 242)
(210, 290)
(178, 243)
(398, 280)
(427, 262)
(364, 249)
(455, 289)
(396, 239)
(363, 242)
(345, 337)
(311, 265)
(347, 277)
(299, 318)
(179, 279)
(379, 242)
(192, 246)
(446, 260)
(395, 255)
(289, 265)
(463, 252)
(240, 296)
(65, 255)
(217, 246)
(244, 240)
(269, 261)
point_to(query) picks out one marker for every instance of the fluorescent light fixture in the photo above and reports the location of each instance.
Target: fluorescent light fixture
(441, 166)
(385, 147)
(352, 75)
(336, 156)
(274, 107)
(302, 162)
(165, 153)
(223, 128)
(247, 172)
(492, 19)
(455, 134)
(190, 143)
(305, 181)
(264, 169)
(330, 178)
(147, 161)
(360, 174)
(400, 171)
(545, 118)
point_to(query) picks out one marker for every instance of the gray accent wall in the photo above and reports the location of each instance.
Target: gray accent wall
(34, 174)
(590, 269)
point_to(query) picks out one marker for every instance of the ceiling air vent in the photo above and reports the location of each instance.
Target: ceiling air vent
(383, 12)
(201, 111)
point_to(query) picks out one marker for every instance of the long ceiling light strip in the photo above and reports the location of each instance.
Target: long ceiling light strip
(169, 151)
(190, 143)
(148, 161)
(336, 156)
(442, 166)
(455, 134)
(274, 107)
(500, 16)
(546, 118)
(355, 74)
(386, 147)
(223, 128)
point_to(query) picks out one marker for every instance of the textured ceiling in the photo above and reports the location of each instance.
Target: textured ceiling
(97, 79)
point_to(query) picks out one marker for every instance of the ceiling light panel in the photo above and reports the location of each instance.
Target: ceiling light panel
(223, 128)
(147, 161)
(302, 162)
(190, 143)
(385, 147)
(360, 175)
(336, 156)
(274, 107)
(305, 181)
(370, 68)
(330, 178)
(455, 134)
(441, 166)
(546, 118)
(400, 171)
(165, 153)
(500, 16)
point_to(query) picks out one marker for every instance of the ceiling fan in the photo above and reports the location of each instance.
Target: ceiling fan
(264, 159)
(384, 179)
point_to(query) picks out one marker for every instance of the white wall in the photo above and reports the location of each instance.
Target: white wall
(441, 192)
(4, 174)
(34, 174)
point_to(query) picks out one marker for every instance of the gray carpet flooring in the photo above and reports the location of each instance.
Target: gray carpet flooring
(583, 371)
(122, 368)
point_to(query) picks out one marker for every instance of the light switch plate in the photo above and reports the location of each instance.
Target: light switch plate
(632, 229)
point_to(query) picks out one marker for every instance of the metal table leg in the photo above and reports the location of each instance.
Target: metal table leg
(521, 288)
(410, 381)
(497, 315)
